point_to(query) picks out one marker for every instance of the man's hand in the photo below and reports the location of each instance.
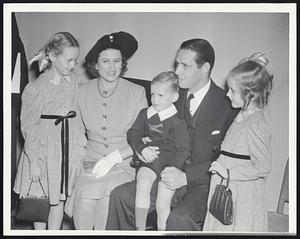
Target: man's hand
(173, 178)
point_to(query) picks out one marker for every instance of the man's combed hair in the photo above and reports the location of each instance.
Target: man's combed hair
(203, 49)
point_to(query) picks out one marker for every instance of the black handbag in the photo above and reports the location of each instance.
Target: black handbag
(34, 208)
(221, 205)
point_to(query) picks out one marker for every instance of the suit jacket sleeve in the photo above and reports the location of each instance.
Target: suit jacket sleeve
(197, 174)
(182, 143)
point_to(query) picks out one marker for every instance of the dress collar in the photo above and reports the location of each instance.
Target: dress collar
(58, 77)
(245, 114)
(164, 114)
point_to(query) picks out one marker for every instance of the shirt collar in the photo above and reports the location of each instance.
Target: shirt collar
(163, 114)
(202, 91)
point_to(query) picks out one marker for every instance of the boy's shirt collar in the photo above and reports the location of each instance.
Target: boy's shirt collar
(163, 114)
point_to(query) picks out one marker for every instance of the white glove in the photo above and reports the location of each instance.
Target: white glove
(105, 164)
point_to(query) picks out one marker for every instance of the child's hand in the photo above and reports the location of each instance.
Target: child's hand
(34, 171)
(150, 153)
(216, 167)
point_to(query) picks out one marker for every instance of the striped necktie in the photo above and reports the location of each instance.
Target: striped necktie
(188, 103)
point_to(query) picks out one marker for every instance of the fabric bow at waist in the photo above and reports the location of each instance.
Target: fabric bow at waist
(63, 119)
(217, 150)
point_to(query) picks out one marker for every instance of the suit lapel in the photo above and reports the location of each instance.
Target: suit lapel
(207, 109)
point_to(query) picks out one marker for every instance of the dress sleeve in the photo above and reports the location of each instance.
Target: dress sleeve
(182, 143)
(259, 145)
(31, 111)
(141, 103)
(80, 129)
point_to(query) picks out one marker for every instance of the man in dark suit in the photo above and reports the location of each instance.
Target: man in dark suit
(208, 114)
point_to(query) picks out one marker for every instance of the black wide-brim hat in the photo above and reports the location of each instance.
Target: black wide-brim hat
(122, 41)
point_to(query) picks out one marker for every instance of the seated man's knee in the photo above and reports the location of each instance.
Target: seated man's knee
(123, 192)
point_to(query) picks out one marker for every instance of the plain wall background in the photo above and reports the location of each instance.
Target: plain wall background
(233, 36)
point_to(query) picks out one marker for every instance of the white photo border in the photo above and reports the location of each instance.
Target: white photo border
(91, 7)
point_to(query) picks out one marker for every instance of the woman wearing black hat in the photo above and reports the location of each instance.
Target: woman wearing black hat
(109, 105)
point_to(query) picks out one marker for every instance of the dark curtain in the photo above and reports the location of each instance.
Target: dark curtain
(17, 47)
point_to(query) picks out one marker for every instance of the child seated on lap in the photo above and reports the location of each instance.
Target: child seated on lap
(168, 146)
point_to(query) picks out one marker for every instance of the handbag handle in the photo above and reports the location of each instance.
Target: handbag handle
(40, 185)
(228, 178)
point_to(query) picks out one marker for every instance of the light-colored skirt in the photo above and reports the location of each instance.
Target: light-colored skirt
(249, 213)
(90, 187)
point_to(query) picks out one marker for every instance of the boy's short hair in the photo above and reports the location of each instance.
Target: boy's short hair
(167, 77)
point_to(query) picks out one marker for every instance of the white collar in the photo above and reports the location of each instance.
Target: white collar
(163, 114)
(200, 93)
(57, 78)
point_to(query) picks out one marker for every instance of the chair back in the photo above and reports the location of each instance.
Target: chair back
(145, 83)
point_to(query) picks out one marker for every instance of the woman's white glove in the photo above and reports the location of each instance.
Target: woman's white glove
(105, 164)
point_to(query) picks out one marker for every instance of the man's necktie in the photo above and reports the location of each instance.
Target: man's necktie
(188, 103)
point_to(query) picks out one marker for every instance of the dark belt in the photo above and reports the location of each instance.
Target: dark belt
(217, 150)
(64, 146)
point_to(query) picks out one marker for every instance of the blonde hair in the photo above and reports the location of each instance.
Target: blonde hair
(253, 79)
(56, 44)
(167, 77)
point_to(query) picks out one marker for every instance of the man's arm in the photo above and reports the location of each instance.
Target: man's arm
(197, 173)
(182, 143)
